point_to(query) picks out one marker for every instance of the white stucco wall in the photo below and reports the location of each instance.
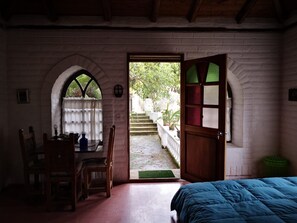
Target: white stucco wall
(4, 150)
(34, 57)
(289, 108)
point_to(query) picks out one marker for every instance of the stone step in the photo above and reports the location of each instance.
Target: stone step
(138, 114)
(141, 124)
(139, 117)
(143, 128)
(141, 121)
(143, 132)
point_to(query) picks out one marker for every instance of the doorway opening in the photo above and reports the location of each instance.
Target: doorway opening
(154, 109)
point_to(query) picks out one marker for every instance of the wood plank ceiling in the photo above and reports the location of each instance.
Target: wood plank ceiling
(152, 10)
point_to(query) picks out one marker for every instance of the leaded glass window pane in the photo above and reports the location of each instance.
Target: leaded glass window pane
(211, 95)
(210, 117)
(193, 95)
(82, 107)
(73, 90)
(192, 75)
(212, 73)
(83, 79)
(193, 116)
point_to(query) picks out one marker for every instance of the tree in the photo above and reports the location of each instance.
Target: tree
(154, 79)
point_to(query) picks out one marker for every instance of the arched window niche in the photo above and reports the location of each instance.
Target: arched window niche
(76, 101)
(229, 119)
(235, 104)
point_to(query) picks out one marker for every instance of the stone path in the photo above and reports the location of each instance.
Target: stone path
(146, 153)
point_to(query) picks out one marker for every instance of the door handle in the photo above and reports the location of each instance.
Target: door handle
(219, 134)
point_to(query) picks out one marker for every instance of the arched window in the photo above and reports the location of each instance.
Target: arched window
(82, 106)
(229, 114)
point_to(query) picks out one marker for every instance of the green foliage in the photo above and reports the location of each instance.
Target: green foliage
(73, 90)
(91, 91)
(154, 79)
(170, 117)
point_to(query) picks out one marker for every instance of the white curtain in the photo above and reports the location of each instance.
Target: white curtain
(83, 115)
(228, 119)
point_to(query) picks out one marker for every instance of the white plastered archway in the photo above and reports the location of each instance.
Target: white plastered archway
(53, 85)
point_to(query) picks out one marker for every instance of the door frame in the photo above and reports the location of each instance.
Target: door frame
(146, 57)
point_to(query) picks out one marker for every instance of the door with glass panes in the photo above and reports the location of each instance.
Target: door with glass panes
(203, 102)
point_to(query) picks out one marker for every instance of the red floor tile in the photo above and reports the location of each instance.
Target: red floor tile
(129, 203)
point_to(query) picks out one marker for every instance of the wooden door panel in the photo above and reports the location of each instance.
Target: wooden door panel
(201, 157)
(203, 104)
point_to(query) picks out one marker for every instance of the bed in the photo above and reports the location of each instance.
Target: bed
(266, 200)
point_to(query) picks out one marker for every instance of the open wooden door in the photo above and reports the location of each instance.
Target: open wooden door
(203, 102)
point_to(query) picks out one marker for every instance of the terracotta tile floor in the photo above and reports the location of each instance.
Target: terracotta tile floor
(129, 203)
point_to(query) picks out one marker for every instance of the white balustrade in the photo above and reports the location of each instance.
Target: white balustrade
(170, 140)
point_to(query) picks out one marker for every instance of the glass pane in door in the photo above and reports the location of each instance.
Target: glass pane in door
(211, 95)
(192, 75)
(193, 116)
(193, 96)
(210, 118)
(212, 73)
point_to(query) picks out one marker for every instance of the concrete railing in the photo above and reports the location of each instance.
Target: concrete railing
(170, 140)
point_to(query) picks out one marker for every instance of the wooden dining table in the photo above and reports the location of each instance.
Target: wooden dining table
(93, 147)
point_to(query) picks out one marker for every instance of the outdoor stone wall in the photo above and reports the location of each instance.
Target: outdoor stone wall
(33, 54)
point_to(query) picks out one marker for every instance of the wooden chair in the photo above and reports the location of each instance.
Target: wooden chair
(31, 164)
(93, 166)
(63, 173)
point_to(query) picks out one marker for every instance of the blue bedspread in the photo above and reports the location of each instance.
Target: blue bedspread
(265, 200)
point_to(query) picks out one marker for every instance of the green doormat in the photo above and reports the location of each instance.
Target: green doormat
(155, 174)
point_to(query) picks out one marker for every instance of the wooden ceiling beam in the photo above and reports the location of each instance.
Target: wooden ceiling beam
(106, 6)
(279, 10)
(155, 10)
(193, 11)
(50, 9)
(244, 11)
(6, 7)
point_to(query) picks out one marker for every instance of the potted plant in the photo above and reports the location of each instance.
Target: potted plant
(170, 118)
